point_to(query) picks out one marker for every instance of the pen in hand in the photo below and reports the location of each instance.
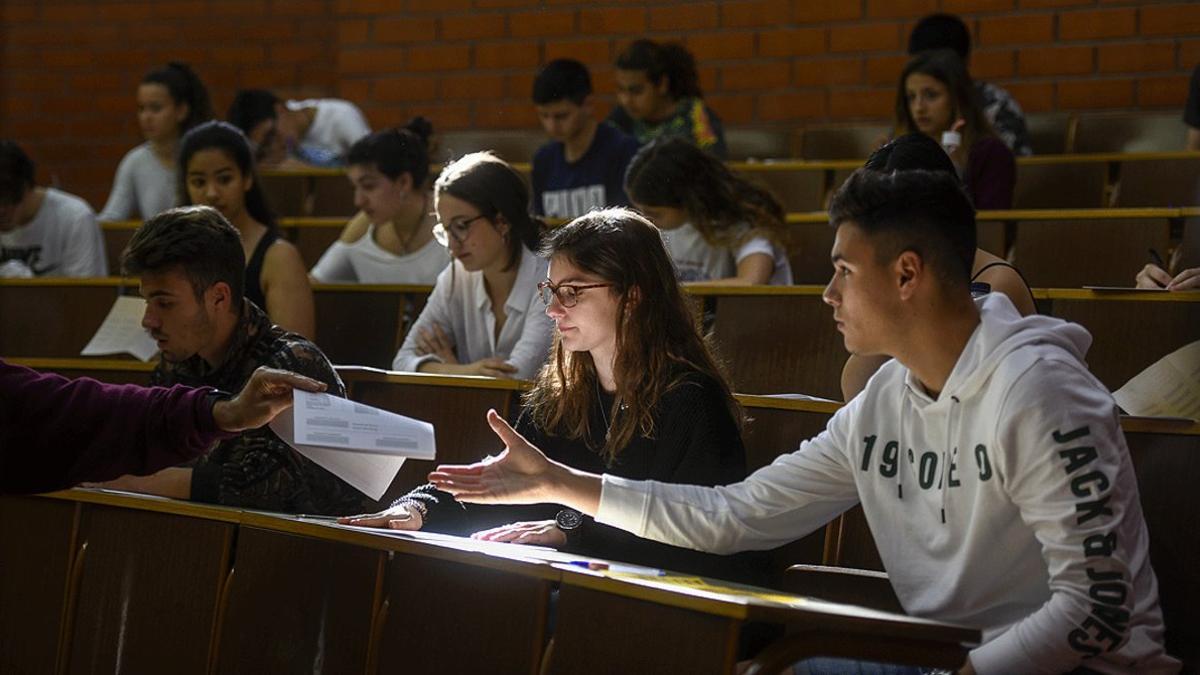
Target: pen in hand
(1157, 261)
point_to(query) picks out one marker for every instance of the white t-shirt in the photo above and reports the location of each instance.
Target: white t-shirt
(143, 186)
(62, 240)
(697, 260)
(365, 262)
(461, 306)
(335, 127)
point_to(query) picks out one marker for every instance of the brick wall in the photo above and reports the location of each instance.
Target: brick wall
(68, 68)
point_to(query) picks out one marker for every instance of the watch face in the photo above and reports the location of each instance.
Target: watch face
(568, 519)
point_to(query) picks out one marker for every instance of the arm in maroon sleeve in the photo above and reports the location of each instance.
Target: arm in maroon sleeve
(56, 432)
(991, 175)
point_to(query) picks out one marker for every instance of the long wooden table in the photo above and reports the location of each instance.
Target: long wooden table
(775, 339)
(1109, 244)
(101, 582)
(1084, 180)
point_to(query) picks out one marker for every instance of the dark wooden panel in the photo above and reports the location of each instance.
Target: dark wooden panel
(843, 142)
(599, 633)
(148, 592)
(1060, 186)
(808, 247)
(297, 604)
(1159, 183)
(361, 328)
(1168, 467)
(36, 548)
(768, 434)
(1130, 132)
(458, 414)
(115, 241)
(1128, 336)
(287, 194)
(1075, 253)
(446, 616)
(780, 344)
(1048, 132)
(513, 146)
(51, 321)
(759, 142)
(332, 196)
(312, 242)
(796, 190)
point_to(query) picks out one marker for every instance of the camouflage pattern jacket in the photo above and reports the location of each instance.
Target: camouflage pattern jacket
(256, 469)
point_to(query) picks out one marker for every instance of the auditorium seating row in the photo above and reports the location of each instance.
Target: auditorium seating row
(1054, 133)
(1073, 181)
(90, 569)
(775, 339)
(1108, 246)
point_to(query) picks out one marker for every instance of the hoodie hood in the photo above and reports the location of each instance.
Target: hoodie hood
(1001, 331)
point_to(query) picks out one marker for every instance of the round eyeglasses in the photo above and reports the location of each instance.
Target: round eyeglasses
(459, 229)
(567, 294)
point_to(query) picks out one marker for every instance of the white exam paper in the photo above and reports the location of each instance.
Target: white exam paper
(1168, 388)
(363, 446)
(122, 332)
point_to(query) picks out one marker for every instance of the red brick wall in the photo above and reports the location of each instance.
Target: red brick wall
(68, 68)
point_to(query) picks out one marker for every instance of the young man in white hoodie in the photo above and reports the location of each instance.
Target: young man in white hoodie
(989, 462)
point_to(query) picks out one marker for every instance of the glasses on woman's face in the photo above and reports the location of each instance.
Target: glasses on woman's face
(459, 229)
(567, 294)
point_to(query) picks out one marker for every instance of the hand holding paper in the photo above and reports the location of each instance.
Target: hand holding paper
(363, 446)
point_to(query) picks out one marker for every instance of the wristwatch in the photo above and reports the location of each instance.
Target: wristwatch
(569, 521)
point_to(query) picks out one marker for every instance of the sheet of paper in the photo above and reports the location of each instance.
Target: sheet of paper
(333, 422)
(122, 332)
(1168, 388)
(371, 469)
(801, 397)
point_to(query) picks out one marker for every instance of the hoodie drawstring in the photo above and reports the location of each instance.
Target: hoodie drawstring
(949, 453)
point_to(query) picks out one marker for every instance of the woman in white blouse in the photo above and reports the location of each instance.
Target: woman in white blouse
(391, 239)
(484, 316)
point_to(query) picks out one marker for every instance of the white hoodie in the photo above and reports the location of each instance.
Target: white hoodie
(1012, 507)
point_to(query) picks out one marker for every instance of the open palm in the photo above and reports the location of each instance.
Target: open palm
(519, 475)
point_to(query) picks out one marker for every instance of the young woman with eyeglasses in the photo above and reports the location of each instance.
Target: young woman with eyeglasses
(484, 316)
(631, 388)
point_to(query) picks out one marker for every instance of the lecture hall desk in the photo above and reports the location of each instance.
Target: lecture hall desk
(104, 582)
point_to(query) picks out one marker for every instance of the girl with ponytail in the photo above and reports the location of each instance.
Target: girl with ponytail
(170, 100)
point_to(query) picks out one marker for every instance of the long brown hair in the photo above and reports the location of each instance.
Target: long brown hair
(945, 66)
(658, 343)
(491, 185)
(673, 172)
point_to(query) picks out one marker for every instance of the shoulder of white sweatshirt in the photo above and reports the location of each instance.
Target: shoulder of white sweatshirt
(1009, 503)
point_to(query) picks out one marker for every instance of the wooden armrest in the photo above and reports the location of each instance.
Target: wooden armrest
(866, 588)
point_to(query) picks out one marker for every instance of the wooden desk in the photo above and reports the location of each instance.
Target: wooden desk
(55, 317)
(365, 324)
(197, 588)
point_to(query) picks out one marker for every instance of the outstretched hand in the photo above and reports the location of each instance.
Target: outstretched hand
(267, 393)
(519, 475)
